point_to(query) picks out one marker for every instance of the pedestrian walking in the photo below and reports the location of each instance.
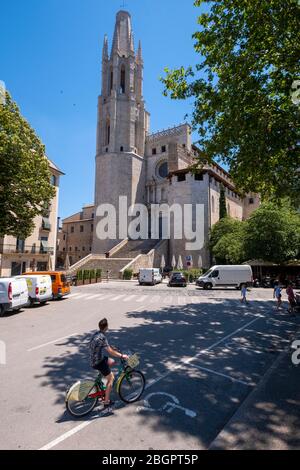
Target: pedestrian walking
(291, 299)
(244, 294)
(277, 294)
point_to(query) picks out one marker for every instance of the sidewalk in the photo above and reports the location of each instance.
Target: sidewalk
(270, 416)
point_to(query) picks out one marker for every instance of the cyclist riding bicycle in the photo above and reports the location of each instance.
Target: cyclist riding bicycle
(100, 360)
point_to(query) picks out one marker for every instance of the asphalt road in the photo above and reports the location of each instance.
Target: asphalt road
(202, 352)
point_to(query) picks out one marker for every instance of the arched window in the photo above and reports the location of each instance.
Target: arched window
(107, 134)
(111, 83)
(123, 79)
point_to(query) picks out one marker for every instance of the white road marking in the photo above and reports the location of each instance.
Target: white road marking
(78, 428)
(221, 375)
(51, 342)
(130, 297)
(73, 295)
(118, 297)
(154, 299)
(141, 299)
(92, 297)
(81, 296)
(182, 300)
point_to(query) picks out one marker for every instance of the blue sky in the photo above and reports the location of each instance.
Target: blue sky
(51, 64)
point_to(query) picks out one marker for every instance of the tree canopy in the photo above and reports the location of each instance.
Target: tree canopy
(272, 233)
(25, 187)
(242, 89)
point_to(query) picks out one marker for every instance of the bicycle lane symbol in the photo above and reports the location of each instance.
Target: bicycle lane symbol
(168, 407)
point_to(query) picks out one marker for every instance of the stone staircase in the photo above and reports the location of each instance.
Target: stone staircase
(118, 260)
(134, 248)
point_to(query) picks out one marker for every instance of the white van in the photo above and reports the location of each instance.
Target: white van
(39, 287)
(227, 275)
(150, 276)
(13, 294)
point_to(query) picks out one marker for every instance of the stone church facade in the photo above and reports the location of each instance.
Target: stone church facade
(150, 168)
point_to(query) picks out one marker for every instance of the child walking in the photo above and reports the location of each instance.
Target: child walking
(277, 295)
(244, 294)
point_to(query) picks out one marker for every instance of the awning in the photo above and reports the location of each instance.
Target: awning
(44, 246)
(46, 224)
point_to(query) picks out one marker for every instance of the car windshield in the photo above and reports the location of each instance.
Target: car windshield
(63, 278)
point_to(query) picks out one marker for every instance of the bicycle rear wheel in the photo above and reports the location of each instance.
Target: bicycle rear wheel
(132, 386)
(78, 409)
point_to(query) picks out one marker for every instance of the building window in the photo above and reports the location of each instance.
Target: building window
(123, 81)
(181, 177)
(81, 228)
(121, 149)
(53, 180)
(72, 229)
(199, 177)
(107, 136)
(64, 249)
(92, 227)
(64, 237)
(70, 249)
(76, 248)
(251, 200)
(163, 149)
(90, 248)
(154, 151)
(163, 170)
(83, 248)
(111, 80)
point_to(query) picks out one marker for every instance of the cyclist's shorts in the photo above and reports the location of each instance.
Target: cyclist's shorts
(103, 367)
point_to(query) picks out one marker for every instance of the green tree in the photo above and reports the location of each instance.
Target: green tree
(272, 233)
(25, 188)
(230, 248)
(223, 208)
(223, 227)
(242, 90)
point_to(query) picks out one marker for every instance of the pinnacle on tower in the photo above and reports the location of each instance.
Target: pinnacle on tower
(139, 57)
(105, 48)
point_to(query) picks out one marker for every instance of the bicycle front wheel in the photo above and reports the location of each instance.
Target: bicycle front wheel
(131, 386)
(78, 409)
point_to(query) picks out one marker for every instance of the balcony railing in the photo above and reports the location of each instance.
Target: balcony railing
(26, 249)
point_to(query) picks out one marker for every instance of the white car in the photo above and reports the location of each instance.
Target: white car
(13, 294)
(226, 276)
(150, 276)
(39, 287)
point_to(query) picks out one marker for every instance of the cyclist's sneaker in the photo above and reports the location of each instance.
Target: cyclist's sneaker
(108, 405)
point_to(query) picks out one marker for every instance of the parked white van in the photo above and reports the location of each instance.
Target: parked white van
(150, 276)
(227, 275)
(13, 294)
(39, 287)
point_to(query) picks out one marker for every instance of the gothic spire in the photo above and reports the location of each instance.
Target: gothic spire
(123, 36)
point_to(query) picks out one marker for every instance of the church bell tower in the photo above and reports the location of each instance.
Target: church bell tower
(121, 128)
